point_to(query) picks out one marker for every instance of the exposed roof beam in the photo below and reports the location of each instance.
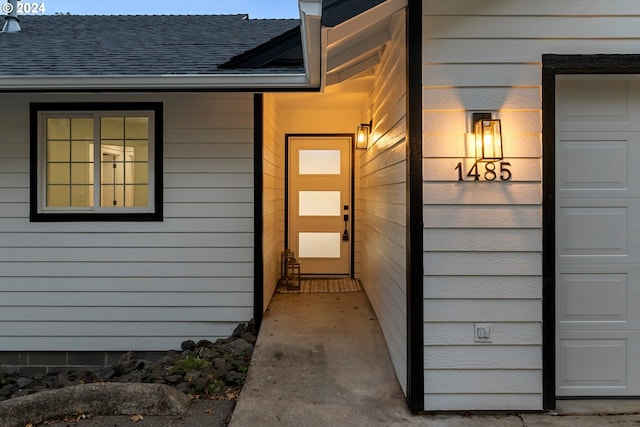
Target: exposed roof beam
(355, 70)
(347, 55)
(365, 19)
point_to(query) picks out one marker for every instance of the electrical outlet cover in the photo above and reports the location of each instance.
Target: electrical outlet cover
(483, 332)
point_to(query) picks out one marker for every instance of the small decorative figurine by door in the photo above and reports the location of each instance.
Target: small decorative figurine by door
(320, 208)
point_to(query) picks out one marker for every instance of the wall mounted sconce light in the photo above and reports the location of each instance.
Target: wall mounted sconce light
(483, 143)
(363, 134)
(488, 137)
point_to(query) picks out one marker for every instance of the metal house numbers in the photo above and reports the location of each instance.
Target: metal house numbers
(489, 171)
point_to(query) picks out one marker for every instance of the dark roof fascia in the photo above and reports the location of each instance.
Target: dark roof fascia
(266, 52)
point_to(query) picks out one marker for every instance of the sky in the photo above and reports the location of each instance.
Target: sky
(255, 8)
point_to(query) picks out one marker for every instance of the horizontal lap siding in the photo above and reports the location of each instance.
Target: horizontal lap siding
(273, 199)
(134, 286)
(483, 240)
(383, 198)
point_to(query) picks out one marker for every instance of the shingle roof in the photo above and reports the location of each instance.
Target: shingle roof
(76, 45)
(334, 12)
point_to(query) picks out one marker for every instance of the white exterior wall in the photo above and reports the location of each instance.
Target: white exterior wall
(134, 285)
(383, 193)
(482, 240)
(273, 198)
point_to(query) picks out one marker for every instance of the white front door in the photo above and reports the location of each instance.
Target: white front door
(598, 236)
(320, 203)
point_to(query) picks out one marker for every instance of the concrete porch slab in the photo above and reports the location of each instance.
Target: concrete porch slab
(320, 360)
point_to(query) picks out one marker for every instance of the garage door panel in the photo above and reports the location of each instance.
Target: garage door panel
(598, 236)
(593, 231)
(608, 105)
(585, 364)
(589, 365)
(598, 296)
(597, 231)
(601, 165)
(594, 298)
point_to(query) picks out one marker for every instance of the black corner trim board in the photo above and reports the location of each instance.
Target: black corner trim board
(415, 267)
(156, 215)
(258, 199)
(553, 65)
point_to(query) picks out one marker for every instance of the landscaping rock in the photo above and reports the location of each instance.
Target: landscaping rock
(240, 346)
(125, 358)
(24, 382)
(106, 373)
(25, 392)
(174, 379)
(239, 330)
(222, 365)
(188, 345)
(233, 377)
(249, 337)
(104, 399)
(7, 391)
(204, 343)
(186, 388)
(202, 368)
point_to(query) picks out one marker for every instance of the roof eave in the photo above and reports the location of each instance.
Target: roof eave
(158, 82)
(354, 47)
(311, 16)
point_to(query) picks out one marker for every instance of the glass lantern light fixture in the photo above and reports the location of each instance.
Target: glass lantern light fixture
(363, 135)
(488, 137)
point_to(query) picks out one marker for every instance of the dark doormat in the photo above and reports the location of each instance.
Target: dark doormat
(308, 286)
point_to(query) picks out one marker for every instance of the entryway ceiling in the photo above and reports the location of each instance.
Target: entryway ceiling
(354, 48)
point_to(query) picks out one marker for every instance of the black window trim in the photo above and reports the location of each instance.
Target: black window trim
(37, 107)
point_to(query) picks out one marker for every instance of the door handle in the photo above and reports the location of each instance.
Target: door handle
(345, 235)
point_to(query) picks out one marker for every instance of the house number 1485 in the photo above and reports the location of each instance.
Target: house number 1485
(490, 171)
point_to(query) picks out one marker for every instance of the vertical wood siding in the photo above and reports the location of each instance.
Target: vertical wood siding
(483, 239)
(134, 286)
(383, 198)
(273, 194)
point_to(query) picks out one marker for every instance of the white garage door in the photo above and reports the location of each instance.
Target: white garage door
(598, 236)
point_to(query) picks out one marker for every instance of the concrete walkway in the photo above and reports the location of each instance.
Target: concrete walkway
(321, 360)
